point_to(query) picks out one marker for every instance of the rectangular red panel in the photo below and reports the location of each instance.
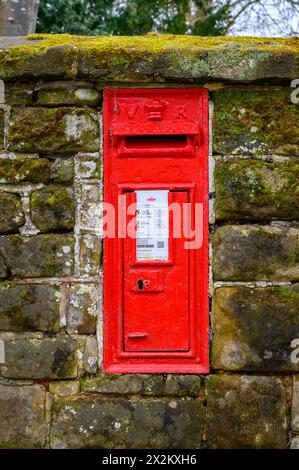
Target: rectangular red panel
(156, 289)
(156, 299)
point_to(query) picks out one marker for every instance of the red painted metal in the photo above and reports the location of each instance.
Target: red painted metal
(156, 139)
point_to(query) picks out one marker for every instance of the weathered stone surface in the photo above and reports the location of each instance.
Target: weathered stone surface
(24, 168)
(255, 190)
(22, 417)
(127, 384)
(245, 412)
(82, 309)
(91, 207)
(295, 442)
(30, 356)
(181, 385)
(11, 214)
(62, 170)
(254, 328)
(39, 255)
(121, 423)
(256, 252)
(62, 130)
(53, 208)
(255, 122)
(69, 96)
(27, 307)
(90, 355)
(295, 404)
(90, 254)
(88, 166)
(3, 268)
(1, 129)
(151, 57)
(27, 168)
(66, 388)
(20, 94)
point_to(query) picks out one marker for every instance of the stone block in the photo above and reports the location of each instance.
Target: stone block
(122, 423)
(1, 129)
(295, 404)
(126, 384)
(53, 208)
(22, 417)
(256, 252)
(83, 308)
(90, 254)
(246, 412)
(68, 94)
(189, 385)
(256, 190)
(11, 213)
(254, 328)
(65, 388)
(62, 170)
(90, 355)
(88, 166)
(248, 122)
(24, 168)
(61, 130)
(27, 307)
(39, 255)
(30, 356)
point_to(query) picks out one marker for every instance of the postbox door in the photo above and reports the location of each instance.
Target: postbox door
(156, 284)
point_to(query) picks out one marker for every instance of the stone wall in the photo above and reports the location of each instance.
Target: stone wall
(53, 392)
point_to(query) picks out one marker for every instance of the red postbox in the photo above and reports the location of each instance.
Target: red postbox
(156, 253)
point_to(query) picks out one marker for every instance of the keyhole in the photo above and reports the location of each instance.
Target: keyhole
(140, 284)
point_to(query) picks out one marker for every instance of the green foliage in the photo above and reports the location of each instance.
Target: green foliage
(132, 17)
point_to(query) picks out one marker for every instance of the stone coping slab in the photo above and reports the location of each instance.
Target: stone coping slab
(150, 58)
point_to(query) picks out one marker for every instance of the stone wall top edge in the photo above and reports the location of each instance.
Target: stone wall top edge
(155, 58)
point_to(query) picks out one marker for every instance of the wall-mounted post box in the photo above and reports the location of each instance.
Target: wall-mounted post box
(156, 248)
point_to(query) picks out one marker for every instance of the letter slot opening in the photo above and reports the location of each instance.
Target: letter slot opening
(157, 145)
(156, 141)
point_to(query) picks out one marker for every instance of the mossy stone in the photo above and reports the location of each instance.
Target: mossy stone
(62, 170)
(256, 252)
(183, 385)
(255, 122)
(246, 412)
(126, 384)
(83, 308)
(254, 328)
(60, 130)
(11, 213)
(39, 255)
(27, 307)
(69, 96)
(256, 190)
(22, 417)
(152, 57)
(1, 129)
(88, 421)
(40, 358)
(24, 168)
(53, 208)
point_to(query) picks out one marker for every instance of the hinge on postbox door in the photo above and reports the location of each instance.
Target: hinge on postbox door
(110, 132)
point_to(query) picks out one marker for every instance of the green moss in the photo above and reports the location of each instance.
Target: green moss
(255, 122)
(25, 294)
(16, 170)
(250, 189)
(117, 52)
(63, 130)
(261, 324)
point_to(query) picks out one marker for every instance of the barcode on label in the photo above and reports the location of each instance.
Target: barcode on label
(160, 244)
